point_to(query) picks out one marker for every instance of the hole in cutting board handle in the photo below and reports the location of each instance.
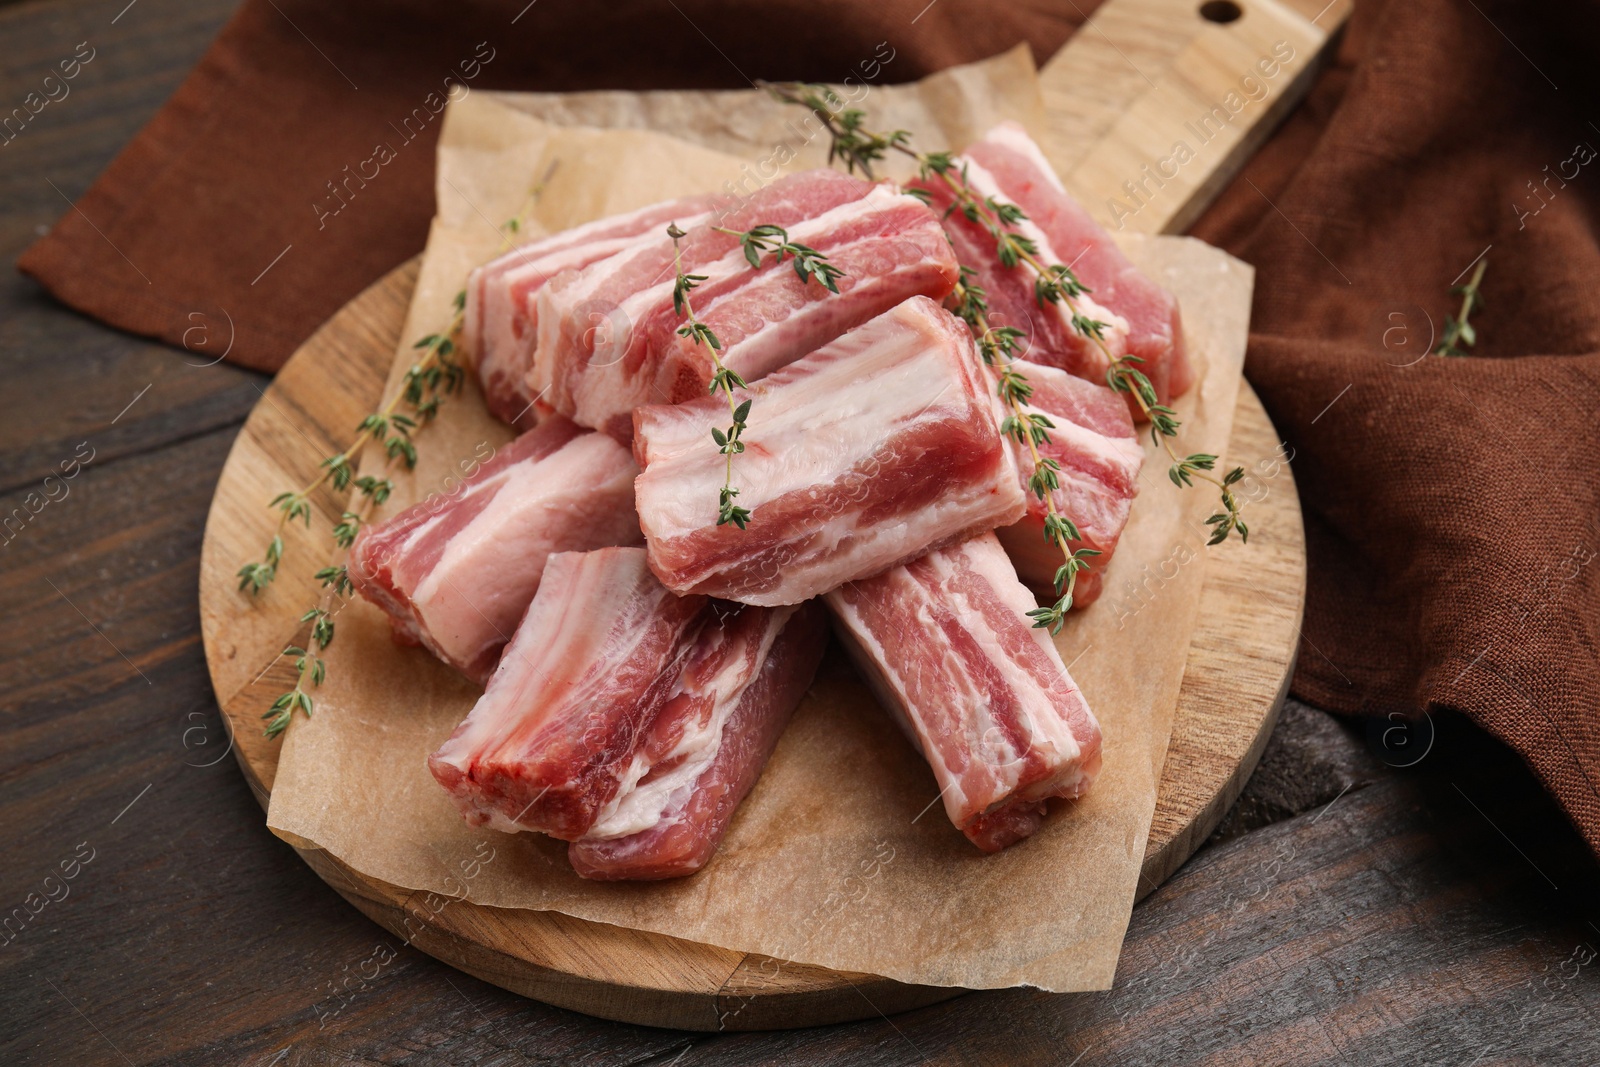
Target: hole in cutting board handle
(1221, 11)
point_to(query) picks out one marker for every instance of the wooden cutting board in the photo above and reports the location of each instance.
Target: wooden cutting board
(1132, 82)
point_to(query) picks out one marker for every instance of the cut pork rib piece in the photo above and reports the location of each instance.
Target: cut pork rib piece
(595, 659)
(629, 721)
(1142, 318)
(499, 326)
(862, 455)
(456, 571)
(1097, 449)
(704, 750)
(981, 693)
(608, 337)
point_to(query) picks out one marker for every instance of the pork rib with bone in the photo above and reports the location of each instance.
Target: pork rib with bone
(500, 325)
(626, 720)
(864, 454)
(983, 696)
(607, 334)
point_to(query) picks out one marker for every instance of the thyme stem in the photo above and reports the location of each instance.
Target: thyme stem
(998, 348)
(1458, 329)
(731, 441)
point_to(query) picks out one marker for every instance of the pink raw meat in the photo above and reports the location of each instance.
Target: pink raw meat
(456, 572)
(608, 337)
(499, 326)
(1094, 443)
(708, 744)
(862, 455)
(983, 695)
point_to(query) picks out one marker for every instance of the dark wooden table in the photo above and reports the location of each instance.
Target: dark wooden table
(1349, 911)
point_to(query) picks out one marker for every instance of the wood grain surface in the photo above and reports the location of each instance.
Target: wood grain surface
(1236, 676)
(1438, 914)
(1155, 105)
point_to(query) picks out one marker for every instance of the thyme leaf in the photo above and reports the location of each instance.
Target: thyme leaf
(1458, 329)
(774, 240)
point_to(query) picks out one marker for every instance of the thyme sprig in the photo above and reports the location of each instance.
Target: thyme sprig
(429, 379)
(998, 346)
(1458, 328)
(849, 140)
(308, 664)
(730, 442)
(433, 375)
(768, 238)
(336, 590)
(860, 147)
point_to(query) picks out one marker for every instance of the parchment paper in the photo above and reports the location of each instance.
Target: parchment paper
(841, 856)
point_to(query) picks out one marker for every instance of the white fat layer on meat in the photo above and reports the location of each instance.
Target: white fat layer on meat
(879, 199)
(487, 310)
(1122, 452)
(556, 308)
(975, 764)
(778, 340)
(579, 253)
(626, 227)
(985, 184)
(551, 632)
(636, 808)
(579, 496)
(1049, 731)
(496, 821)
(1013, 136)
(558, 303)
(960, 722)
(640, 303)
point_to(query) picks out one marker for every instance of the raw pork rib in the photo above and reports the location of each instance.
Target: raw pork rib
(707, 746)
(864, 454)
(627, 720)
(596, 657)
(981, 693)
(499, 328)
(608, 337)
(1142, 317)
(1094, 443)
(456, 571)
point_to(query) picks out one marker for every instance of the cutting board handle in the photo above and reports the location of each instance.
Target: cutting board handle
(1154, 105)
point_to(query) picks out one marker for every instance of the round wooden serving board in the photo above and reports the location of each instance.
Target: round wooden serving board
(1236, 676)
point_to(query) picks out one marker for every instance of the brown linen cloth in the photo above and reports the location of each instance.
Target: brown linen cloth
(1451, 505)
(269, 148)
